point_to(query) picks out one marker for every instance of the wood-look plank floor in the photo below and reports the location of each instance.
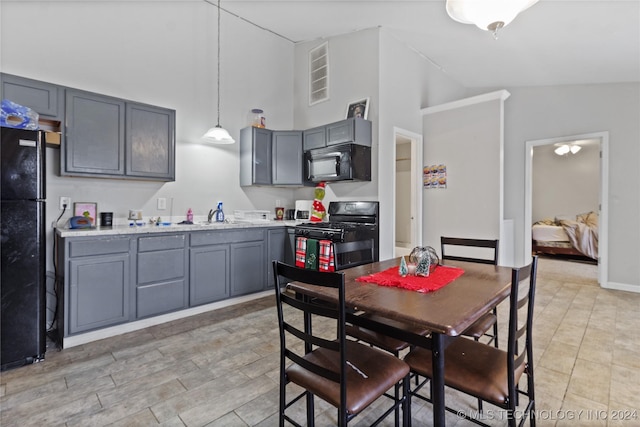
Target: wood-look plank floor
(221, 368)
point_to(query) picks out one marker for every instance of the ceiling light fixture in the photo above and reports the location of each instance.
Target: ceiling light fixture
(217, 134)
(563, 149)
(488, 15)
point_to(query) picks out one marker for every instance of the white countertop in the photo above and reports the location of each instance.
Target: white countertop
(173, 228)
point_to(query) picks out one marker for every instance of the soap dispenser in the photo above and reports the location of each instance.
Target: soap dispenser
(190, 216)
(219, 213)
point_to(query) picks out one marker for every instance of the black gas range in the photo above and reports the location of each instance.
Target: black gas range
(348, 222)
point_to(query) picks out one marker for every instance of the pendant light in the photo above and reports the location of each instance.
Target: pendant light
(488, 15)
(217, 134)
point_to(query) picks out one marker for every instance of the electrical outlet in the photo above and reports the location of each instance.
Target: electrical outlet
(65, 201)
(162, 203)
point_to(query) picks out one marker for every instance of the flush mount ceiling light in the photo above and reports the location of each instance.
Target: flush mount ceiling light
(488, 15)
(217, 134)
(563, 149)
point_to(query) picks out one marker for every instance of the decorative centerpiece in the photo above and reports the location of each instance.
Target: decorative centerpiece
(423, 260)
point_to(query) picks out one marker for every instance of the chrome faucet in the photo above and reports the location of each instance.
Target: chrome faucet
(210, 216)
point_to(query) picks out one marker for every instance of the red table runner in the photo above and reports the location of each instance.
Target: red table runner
(441, 276)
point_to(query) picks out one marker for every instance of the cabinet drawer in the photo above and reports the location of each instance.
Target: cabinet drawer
(217, 237)
(157, 243)
(160, 298)
(98, 247)
(163, 265)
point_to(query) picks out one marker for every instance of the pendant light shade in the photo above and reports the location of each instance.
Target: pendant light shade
(217, 134)
(488, 15)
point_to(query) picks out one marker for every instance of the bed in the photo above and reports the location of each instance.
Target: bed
(574, 236)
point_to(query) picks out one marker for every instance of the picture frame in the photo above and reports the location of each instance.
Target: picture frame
(358, 109)
(85, 209)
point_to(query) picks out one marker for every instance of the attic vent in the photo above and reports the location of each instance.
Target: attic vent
(319, 74)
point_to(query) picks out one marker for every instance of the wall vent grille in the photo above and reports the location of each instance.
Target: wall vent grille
(319, 74)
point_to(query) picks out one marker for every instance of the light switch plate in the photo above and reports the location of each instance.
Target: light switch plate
(162, 203)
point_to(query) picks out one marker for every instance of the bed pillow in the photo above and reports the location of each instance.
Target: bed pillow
(589, 218)
(560, 218)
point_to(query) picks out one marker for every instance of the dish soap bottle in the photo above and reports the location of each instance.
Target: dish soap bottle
(219, 213)
(190, 216)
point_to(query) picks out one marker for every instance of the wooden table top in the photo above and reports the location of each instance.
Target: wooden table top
(449, 310)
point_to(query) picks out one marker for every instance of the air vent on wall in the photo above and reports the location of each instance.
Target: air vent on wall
(319, 74)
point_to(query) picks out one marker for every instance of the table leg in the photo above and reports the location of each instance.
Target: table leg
(437, 383)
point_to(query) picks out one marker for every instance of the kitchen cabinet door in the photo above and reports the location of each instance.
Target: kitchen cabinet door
(314, 138)
(98, 292)
(353, 130)
(150, 142)
(277, 239)
(94, 141)
(255, 156)
(287, 157)
(209, 274)
(247, 268)
(44, 98)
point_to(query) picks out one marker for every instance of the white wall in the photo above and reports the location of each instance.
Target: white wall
(471, 203)
(161, 53)
(535, 113)
(399, 82)
(564, 185)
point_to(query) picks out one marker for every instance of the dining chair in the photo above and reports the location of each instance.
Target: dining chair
(488, 373)
(346, 374)
(489, 321)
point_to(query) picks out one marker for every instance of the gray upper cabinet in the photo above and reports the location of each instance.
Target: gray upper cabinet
(353, 130)
(150, 142)
(94, 142)
(46, 99)
(287, 157)
(314, 138)
(255, 156)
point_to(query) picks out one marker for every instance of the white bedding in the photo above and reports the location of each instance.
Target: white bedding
(549, 233)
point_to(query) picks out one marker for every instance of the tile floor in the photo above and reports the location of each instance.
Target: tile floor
(221, 368)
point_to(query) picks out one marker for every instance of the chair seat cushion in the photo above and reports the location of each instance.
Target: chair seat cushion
(370, 373)
(480, 326)
(472, 367)
(382, 341)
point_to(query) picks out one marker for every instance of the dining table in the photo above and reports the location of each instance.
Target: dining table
(445, 312)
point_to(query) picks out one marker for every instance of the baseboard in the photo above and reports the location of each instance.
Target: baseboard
(80, 339)
(621, 287)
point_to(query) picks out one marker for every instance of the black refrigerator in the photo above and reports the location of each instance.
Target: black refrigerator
(22, 285)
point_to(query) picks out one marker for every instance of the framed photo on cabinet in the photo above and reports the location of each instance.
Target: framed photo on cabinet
(86, 209)
(358, 109)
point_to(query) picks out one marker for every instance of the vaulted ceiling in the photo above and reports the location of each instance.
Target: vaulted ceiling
(553, 42)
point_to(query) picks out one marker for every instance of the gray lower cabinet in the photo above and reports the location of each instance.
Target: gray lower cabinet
(97, 283)
(208, 273)
(162, 275)
(286, 158)
(94, 141)
(277, 239)
(110, 280)
(247, 267)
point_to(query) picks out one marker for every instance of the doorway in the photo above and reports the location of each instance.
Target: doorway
(408, 192)
(601, 138)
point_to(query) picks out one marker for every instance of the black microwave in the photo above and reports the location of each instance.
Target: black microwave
(344, 162)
